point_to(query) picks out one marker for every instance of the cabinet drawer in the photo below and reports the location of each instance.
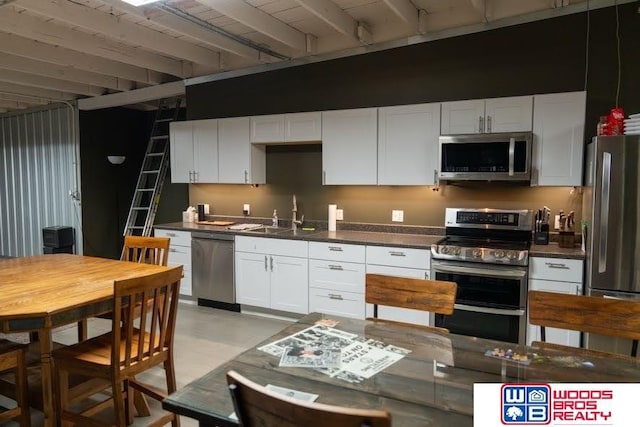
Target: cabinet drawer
(180, 255)
(338, 303)
(260, 245)
(337, 252)
(339, 276)
(399, 257)
(558, 269)
(178, 238)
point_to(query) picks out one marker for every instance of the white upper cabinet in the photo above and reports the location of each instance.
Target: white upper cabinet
(558, 138)
(294, 127)
(408, 144)
(194, 151)
(350, 147)
(510, 114)
(240, 162)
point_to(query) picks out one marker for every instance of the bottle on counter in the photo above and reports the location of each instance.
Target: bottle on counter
(274, 220)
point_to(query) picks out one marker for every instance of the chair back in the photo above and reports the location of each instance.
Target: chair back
(420, 294)
(596, 315)
(149, 250)
(143, 338)
(258, 407)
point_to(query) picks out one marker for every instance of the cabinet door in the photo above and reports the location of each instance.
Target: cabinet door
(554, 335)
(252, 279)
(301, 127)
(408, 144)
(398, 314)
(558, 136)
(350, 147)
(289, 284)
(239, 161)
(462, 117)
(181, 147)
(205, 150)
(513, 114)
(268, 128)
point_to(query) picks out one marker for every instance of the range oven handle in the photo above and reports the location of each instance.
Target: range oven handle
(512, 155)
(488, 310)
(507, 274)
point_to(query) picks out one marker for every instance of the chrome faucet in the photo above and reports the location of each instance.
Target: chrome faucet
(294, 213)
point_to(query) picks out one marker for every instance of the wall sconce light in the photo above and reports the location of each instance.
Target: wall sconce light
(116, 160)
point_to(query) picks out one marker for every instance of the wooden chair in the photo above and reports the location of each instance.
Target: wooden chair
(596, 315)
(258, 407)
(435, 296)
(146, 250)
(132, 346)
(12, 357)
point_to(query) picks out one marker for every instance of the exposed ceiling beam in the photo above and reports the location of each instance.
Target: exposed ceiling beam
(136, 96)
(121, 30)
(10, 76)
(13, 105)
(330, 13)
(34, 28)
(15, 89)
(16, 45)
(405, 11)
(260, 21)
(22, 98)
(18, 63)
(185, 27)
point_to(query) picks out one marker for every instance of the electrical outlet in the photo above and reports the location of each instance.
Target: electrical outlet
(339, 214)
(556, 223)
(246, 209)
(397, 216)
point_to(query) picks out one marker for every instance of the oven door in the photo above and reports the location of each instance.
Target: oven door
(490, 301)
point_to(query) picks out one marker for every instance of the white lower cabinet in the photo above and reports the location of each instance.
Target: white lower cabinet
(401, 262)
(555, 275)
(336, 279)
(179, 254)
(272, 273)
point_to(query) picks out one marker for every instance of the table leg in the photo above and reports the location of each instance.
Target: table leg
(47, 376)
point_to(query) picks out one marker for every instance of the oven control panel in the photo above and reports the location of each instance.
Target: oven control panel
(476, 254)
(515, 220)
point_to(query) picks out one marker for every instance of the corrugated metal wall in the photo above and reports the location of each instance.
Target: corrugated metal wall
(39, 161)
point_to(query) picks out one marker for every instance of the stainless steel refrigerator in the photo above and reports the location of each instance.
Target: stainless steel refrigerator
(611, 205)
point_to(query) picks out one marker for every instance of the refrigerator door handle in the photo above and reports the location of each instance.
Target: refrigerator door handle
(604, 212)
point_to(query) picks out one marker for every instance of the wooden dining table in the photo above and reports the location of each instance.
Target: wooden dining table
(431, 386)
(41, 293)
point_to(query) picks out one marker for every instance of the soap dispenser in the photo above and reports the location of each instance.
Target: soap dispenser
(274, 220)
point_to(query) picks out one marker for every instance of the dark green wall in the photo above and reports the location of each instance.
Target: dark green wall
(107, 189)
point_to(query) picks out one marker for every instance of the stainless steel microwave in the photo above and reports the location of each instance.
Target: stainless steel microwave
(486, 157)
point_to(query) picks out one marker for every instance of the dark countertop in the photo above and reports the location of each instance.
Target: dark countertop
(416, 241)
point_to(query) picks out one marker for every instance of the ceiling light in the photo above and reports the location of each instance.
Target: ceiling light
(139, 2)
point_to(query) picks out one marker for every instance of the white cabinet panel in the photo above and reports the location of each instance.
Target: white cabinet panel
(176, 237)
(179, 254)
(336, 275)
(508, 114)
(263, 245)
(399, 257)
(252, 279)
(194, 151)
(289, 284)
(408, 144)
(336, 303)
(337, 251)
(269, 128)
(556, 269)
(350, 147)
(558, 136)
(181, 147)
(554, 335)
(303, 127)
(240, 162)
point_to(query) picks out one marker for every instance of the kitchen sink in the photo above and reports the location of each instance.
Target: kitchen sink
(267, 229)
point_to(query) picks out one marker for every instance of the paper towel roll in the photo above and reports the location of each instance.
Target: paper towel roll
(332, 217)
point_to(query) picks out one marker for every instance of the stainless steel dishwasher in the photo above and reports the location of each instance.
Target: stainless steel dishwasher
(212, 270)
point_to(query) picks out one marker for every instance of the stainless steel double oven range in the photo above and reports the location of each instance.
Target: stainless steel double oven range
(486, 252)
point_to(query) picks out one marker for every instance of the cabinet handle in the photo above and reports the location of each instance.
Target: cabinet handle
(436, 178)
(171, 234)
(578, 290)
(488, 123)
(324, 177)
(265, 263)
(172, 250)
(557, 265)
(246, 177)
(336, 296)
(335, 267)
(426, 275)
(481, 124)
(271, 261)
(335, 248)
(397, 253)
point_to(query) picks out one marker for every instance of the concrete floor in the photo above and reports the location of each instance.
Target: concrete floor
(205, 338)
